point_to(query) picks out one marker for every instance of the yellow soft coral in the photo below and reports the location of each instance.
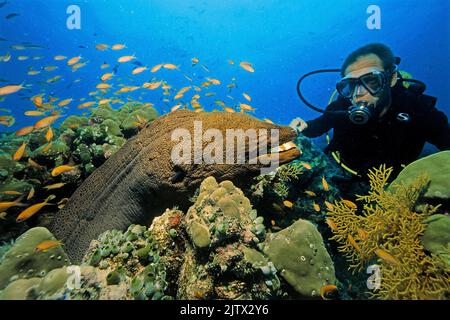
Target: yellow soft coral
(389, 230)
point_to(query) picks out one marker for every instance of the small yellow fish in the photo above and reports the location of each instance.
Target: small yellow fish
(35, 164)
(228, 109)
(194, 61)
(73, 60)
(24, 131)
(324, 290)
(33, 113)
(328, 205)
(310, 193)
(37, 100)
(316, 207)
(22, 58)
(268, 121)
(103, 86)
(10, 89)
(247, 66)
(325, 185)
(46, 121)
(3, 215)
(30, 194)
(247, 107)
(362, 234)
(353, 243)
(86, 104)
(104, 66)
(19, 153)
(288, 204)
(170, 66)
(106, 76)
(331, 224)
(55, 186)
(47, 244)
(307, 166)
(50, 68)
(64, 102)
(33, 72)
(118, 47)
(247, 97)
(49, 134)
(138, 70)
(12, 193)
(104, 101)
(59, 58)
(349, 204)
(156, 68)
(32, 210)
(230, 61)
(61, 169)
(101, 46)
(8, 204)
(387, 257)
(126, 59)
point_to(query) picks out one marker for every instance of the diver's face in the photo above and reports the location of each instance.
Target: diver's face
(364, 65)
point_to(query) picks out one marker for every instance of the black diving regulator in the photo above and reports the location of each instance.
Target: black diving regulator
(361, 112)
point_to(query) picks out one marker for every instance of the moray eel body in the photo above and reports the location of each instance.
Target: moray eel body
(140, 180)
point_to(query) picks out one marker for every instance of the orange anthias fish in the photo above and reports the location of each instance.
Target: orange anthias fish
(24, 131)
(8, 204)
(387, 257)
(307, 166)
(349, 204)
(73, 60)
(19, 153)
(55, 186)
(10, 89)
(34, 164)
(61, 169)
(48, 244)
(247, 97)
(156, 68)
(31, 211)
(353, 243)
(326, 290)
(310, 193)
(328, 205)
(49, 134)
(288, 204)
(30, 194)
(316, 207)
(325, 185)
(126, 58)
(331, 224)
(46, 121)
(170, 66)
(247, 66)
(118, 47)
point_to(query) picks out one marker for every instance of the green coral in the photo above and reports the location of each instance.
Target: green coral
(436, 238)
(23, 261)
(299, 252)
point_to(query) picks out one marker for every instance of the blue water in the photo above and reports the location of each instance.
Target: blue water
(282, 39)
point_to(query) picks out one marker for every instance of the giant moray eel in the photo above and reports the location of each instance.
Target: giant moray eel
(140, 180)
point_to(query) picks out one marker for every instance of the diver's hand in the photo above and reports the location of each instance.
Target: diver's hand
(298, 124)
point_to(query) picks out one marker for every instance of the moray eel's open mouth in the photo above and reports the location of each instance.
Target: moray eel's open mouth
(287, 152)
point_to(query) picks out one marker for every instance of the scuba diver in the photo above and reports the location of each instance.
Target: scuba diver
(378, 117)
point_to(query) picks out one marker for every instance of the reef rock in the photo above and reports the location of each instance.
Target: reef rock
(299, 253)
(22, 261)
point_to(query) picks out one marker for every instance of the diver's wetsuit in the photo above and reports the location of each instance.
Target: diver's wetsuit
(389, 140)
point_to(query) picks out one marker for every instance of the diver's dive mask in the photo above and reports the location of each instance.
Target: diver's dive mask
(374, 82)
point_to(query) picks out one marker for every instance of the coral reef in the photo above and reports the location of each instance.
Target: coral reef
(81, 141)
(299, 252)
(436, 238)
(389, 232)
(223, 259)
(22, 261)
